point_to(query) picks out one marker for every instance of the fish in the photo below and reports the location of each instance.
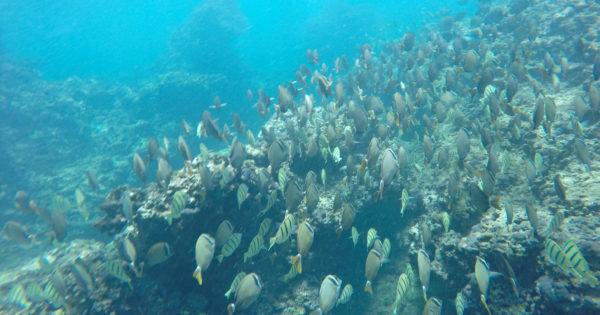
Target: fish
(386, 248)
(508, 209)
(131, 254)
(34, 292)
(270, 202)
(371, 236)
(264, 227)
(460, 303)
(80, 198)
(347, 218)
(471, 61)
(92, 181)
(323, 177)
(424, 265)
(446, 221)
(242, 194)
(157, 253)
(293, 196)
(230, 246)
(180, 200)
(579, 265)
(531, 210)
(139, 168)
(237, 154)
(163, 172)
(433, 306)
(224, 232)
(511, 275)
(58, 223)
(276, 154)
(205, 250)
(17, 296)
(463, 144)
(14, 231)
(116, 269)
(183, 148)
(185, 127)
(83, 276)
(60, 203)
(284, 231)
(246, 293)
(583, 153)
(236, 281)
(291, 274)
(554, 225)
(250, 138)
(53, 297)
(152, 149)
(282, 178)
(126, 206)
(210, 128)
(328, 294)
(255, 246)
(311, 197)
(374, 261)
(354, 236)
(557, 255)
(305, 236)
(482, 275)
(404, 201)
(389, 169)
(402, 287)
(345, 295)
(560, 189)
(58, 283)
(538, 114)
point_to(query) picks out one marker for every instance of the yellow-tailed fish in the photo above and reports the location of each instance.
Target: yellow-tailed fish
(482, 275)
(230, 246)
(374, 261)
(234, 284)
(305, 236)
(205, 250)
(284, 231)
(246, 293)
(255, 246)
(424, 265)
(328, 294)
(371, 236)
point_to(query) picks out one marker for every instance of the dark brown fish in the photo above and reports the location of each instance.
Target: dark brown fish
(183, 148)
(538, 114)
(152, 149)
(238, 124)
(217, 104)
(210, 128)
(92, 181)
(276, 154)
(16, 232)
(427, 148)
(139, 167)
(293, 196)
(237, 153)
(471, 61)
(59, 225)
(463, 144)
(560, 189)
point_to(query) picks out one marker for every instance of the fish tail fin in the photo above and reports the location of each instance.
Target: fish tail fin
(198, 275)
(220, 258)
(245, 257)
(485, 304)
(496, 202)
(425, 293)
(590, 279)
(369, 288)
(230, 308)
(297, 261)
(271, 242)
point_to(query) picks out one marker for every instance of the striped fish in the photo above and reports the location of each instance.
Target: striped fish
(284, 231)
(180, 200)
(355, 235)
(117, 269)
(16, 295)
(34, 292)
(282, 178)
(255, 246)
(265, 225)
(80, 198)
(557, 256)
(345, 295)
(579, 265)
(250, 138)
(404, 201)
(230, 246)
(292, 273)
(371, 235)
(242, 194)
(53, 296)
(234, 284)
(60, 203)
(83, 277)
(459, 301)
(401, 289)
(386, 248)
(270, 201)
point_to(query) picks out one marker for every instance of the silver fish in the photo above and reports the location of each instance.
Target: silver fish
(246, 293)
(205, 250)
